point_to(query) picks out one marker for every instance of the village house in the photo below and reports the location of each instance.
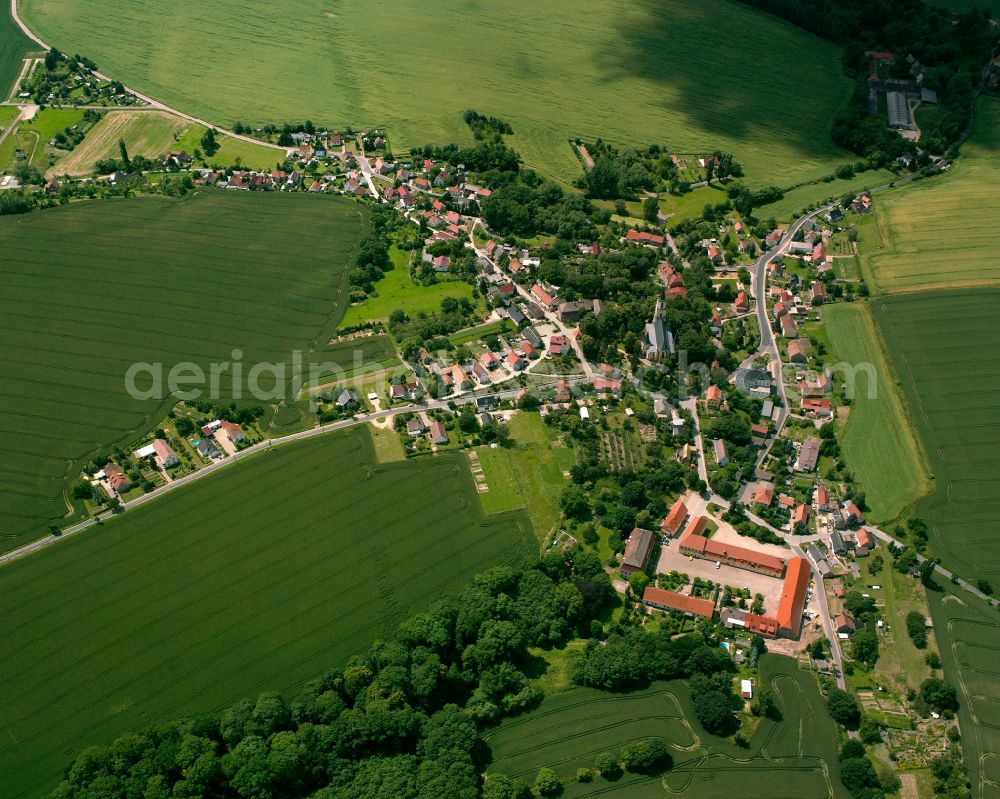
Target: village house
(713, 397)
(438, 434)
(207, 449)
(796, 352)
(414, 428)
(788, 327)
(719, 451)
(675, 519)
(116, 478)
(763, 494)
(808, 455)
(165, 453)
(233, 431)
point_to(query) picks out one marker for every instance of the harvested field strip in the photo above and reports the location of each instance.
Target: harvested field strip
(631, 73)
(146, 133)
(258, 578)
(94, 288)
(942, 233)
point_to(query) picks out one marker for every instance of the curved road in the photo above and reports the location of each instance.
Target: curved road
(155, 105)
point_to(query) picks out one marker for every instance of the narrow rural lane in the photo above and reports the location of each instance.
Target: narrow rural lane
(366, 170)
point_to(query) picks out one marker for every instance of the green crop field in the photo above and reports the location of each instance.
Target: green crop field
(944, 346)
(878, 441)
(969, 636)
(397, 291)
(942, 232)
(812, 194)
(14, 45)
(794, 758)
(257, 578)
(671, 72)
(92, 288)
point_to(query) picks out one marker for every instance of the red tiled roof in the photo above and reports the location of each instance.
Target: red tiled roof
(793, 596)
(674, 601)
(678, 513)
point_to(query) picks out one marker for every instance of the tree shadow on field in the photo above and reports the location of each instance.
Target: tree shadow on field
(665, 42)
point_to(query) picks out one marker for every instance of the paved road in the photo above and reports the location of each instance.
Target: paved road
(551, 316)
(768, 343)
(267, 444)
(152, 104)
(366, 170)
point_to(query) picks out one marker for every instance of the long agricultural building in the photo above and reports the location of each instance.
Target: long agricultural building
(681, 603)
(788, 621)
(696, 545)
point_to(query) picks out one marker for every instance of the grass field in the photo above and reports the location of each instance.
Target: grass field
(397, 291)
(942, 233)
(633, 73)
(13, 47)
(151, 134)
(878, 441)
(258, 578)
(944, 346)
(812, 194)
(899, 660)
(92, 288)
(8, 114)
(528, 474)
(33, 136)
(969, 636)
(791, 759)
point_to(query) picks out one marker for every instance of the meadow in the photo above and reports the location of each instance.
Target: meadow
(632, 73)
(944, 346)
(794, 758)
(151, 134)
(528, 474)
(878, 441)
(397, 291)
(258, 578)
(33, 137)
(942, 233)
(969, 636)
(92, 288)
